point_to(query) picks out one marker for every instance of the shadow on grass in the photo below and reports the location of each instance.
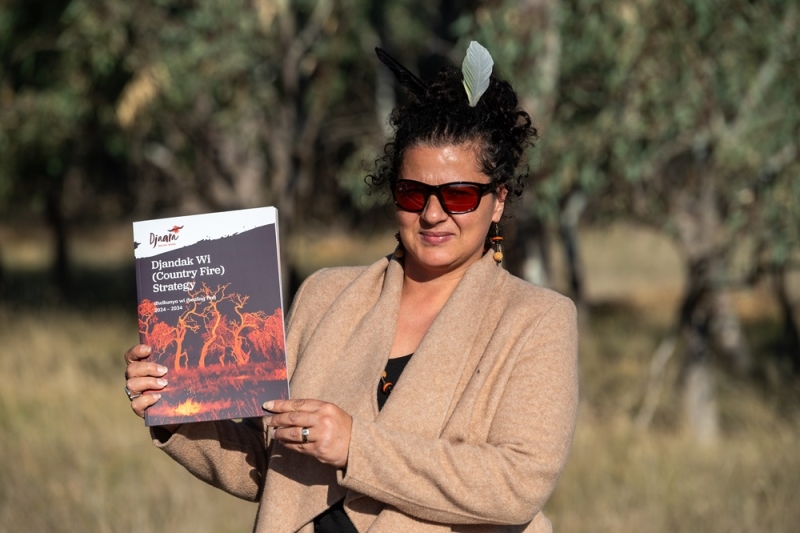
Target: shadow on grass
(87, 289)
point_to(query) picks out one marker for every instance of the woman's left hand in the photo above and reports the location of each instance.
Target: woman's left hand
(326, 427)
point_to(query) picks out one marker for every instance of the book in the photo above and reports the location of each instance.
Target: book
(210, 305)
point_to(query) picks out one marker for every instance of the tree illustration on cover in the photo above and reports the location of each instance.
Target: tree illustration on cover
(238, 354)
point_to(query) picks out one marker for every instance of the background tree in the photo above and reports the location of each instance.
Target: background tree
(668, 115)
(527, 45)
(179, 107)
(62, 154)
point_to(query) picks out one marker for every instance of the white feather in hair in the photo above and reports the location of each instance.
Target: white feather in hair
(477, 69)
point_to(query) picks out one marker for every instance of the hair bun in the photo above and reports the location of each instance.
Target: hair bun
(443, 116)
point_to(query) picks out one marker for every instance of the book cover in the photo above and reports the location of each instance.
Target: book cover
(210, 306)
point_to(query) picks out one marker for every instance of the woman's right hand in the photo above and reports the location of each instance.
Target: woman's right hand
(143, 376)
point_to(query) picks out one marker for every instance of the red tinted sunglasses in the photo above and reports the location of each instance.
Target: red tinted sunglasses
(455, 198)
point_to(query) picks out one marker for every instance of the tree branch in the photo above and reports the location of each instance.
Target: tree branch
(301, 44)
(731, 135)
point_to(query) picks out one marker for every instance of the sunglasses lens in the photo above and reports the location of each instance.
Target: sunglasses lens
(456, 198)
(410, 196)
(460, 198)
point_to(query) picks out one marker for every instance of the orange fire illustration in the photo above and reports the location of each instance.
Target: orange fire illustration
(240, 351)
(189, 407)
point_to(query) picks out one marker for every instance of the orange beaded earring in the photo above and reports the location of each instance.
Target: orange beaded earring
(497, 240)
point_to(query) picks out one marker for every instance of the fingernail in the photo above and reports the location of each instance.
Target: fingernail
(267, 420)
(157, 396)
(146, 349)
(162, 382)
(268, 405)
(161, 369)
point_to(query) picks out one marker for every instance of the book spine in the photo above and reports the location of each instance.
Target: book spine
(138, 265)
(138, 262)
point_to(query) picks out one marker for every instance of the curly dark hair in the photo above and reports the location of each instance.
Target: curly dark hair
(443, 116)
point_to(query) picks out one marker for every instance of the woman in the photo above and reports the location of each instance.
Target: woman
(475, 433)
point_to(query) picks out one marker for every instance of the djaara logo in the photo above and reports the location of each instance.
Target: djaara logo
(165, 240)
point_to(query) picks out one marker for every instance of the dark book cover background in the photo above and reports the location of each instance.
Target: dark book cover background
(223, 339)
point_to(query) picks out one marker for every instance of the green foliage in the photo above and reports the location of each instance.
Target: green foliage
(641, 84)
(155, 105)
(178, 94)
(60, 71)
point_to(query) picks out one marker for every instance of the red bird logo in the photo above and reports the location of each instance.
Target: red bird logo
(175, 229)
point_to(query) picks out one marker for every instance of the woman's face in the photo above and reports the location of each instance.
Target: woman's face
(436, 242)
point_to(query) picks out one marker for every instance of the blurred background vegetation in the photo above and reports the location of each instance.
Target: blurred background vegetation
(663, 202)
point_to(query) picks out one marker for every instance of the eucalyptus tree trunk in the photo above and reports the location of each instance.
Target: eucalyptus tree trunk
(291, 139)
(568, 228)
(529, 258)
(2, 275)
(58, 225)
(697, 372)
(694, 211)
(526, 253)
(708, 323)
(727, 334)
(791, 332)
(385, 96)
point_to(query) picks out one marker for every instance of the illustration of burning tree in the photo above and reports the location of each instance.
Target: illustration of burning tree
(215, 348)
(213, 319)
(160, 335)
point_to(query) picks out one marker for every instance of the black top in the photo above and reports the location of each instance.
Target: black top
(392, 373)
(334, 519)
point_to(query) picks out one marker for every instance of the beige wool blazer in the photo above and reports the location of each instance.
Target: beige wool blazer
(475, 433)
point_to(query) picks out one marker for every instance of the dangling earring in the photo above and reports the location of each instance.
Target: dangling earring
(399, 252)
(497, 240)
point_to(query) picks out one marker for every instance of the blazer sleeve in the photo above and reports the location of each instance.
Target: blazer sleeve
(229, 455)
(508, 478)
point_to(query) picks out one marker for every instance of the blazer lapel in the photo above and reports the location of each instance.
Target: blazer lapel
(345, 356)
(439, 370)
(433, 376)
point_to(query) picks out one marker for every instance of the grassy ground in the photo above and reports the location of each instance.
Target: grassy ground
(621, 479)
(75, 459)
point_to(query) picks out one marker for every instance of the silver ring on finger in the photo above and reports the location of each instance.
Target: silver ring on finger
(304, 435)
(132, 395)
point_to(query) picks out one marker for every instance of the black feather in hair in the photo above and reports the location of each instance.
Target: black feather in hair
(404, 77)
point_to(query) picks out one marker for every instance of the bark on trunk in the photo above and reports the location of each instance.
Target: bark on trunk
(791, 332)
(729, 339)
(568, 229)
(2, 276)
(526, 252)
(695, 212)
(700, 392)
(697, 374)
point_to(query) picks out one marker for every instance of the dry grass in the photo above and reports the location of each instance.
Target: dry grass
(75, 459)
(621, 479)
(618, 480)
